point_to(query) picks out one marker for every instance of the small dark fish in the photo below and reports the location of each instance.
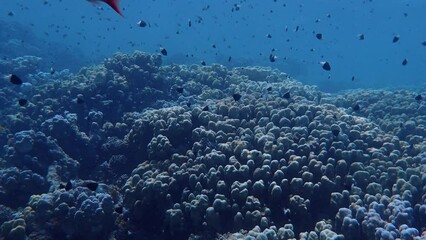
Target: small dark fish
(189, 23)
(326, 66)
(11, 14)
(67, 186)
(206, 108)
(318, 36)
(52, 71)
(203, 63)
(213, 45)
(353, 78)
(236, 96)
(179, 89)
(272, 57)
(404, 62)
(424, 43)
(335, 132)
(286, 95)
(205, 8)
(268, 35)
(236, 7)
(163, 51)
(142, 23)
(361, 36)
(80, 100)
(14, 79)
(229, 58)
(22, 102)
(396, 38)
(92, 185)
(119, 209)
(356, 107)
(269, 89)
(418, 97)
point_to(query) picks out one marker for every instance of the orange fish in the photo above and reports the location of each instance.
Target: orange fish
(112, 3)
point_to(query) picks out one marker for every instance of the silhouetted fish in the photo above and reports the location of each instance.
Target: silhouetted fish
(287, 95)
(22, 102)
(356, 107)
(236, 96)
(92, 185)
(163, 51)
(14, 79)
(272, 58)
(67, 186)
(325, 65)
(179, 89)
(395, 38)
(142, 23)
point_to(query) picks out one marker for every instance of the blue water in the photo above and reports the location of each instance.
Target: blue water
(92, 32)
(104, 136)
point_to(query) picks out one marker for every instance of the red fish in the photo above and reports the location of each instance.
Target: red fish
(112, 3)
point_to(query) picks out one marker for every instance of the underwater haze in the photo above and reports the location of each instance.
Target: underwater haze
(239, 120)
(94, 31)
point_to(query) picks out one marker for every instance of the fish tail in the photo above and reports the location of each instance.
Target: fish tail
(114, 5)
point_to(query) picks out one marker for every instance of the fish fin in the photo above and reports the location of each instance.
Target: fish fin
(114, 5)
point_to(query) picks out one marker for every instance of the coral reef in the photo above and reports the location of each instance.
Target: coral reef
(116, 151)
